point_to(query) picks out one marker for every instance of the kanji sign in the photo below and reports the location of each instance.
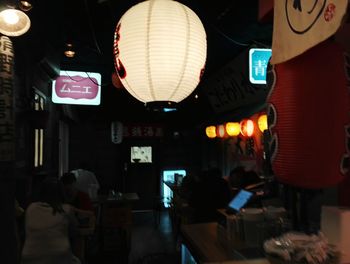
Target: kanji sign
(142, 130)
(7, 118)
(258, 60)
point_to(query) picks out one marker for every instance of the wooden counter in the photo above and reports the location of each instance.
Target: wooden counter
(202, 241)
(123, 198)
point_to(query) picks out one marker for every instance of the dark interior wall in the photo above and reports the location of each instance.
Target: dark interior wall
(91, 141)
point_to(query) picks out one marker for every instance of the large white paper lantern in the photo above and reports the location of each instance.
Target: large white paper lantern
(160, 51)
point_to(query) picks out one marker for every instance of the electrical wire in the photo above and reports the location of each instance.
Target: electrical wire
(230, 39)
(91, 27)
(88, 76)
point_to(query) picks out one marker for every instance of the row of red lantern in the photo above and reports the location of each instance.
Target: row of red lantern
(246, 128)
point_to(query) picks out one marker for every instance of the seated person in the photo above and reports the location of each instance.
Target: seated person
(78, 199)
(187, 186)
(235, 178)
(212, 192)
(250, 180)
(47, 226)
(86, 180)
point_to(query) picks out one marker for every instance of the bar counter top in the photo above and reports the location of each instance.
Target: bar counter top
(202, 240)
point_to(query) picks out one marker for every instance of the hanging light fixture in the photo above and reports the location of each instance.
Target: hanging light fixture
(210, 131)
(262, 122)
(13, 22)
(160, 51)
(247, 127)
(25, 5)
(233, 129)
(69, 51)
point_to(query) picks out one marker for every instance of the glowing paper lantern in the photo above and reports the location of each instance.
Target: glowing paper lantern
(220, 131)
(309, 118)
(262, 122)
(160, 51)
(233, 128)
(210, 131)
(247, 127)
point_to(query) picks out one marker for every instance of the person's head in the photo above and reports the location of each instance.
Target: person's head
(68, 181)
(250, 177)
(51, 192)
(235, 176)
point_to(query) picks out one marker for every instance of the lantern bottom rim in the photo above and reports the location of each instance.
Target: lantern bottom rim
(161, 106)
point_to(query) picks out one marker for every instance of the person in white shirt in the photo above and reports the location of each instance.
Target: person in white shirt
(47, 225)
(86, 181)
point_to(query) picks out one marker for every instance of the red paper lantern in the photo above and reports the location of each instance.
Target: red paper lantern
(220, 131)
(247, 127)
(308, 118)
(116, 81)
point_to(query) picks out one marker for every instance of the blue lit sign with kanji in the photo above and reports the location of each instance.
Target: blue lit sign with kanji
(258, 60)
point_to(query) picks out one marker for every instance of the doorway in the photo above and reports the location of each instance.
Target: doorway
(169, 176)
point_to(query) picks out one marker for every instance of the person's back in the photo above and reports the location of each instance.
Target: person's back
(46, 233)
(47, 225)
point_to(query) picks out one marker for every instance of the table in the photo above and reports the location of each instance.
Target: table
(202, 241)
(115, 221)
(122, 198)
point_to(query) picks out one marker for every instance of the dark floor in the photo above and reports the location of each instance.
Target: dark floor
(152, 242)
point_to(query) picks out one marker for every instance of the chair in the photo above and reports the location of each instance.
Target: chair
(115, 229)
(158, 206)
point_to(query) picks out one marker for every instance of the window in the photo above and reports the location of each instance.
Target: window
(39, 105)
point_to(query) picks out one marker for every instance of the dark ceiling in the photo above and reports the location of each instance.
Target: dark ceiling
(231, 26)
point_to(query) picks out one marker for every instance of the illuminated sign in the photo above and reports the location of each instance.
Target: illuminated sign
(80, 88)
(258, 60)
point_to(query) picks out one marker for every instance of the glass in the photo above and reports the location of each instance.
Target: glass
(111, 194)
(268, 230)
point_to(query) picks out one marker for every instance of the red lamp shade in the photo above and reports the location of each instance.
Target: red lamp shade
(247, 127)
(308, 118)
(116, 81)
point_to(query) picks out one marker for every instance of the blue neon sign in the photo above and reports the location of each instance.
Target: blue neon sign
(258, 60)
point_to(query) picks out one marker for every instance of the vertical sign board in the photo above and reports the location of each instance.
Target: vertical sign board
(230, 89)
(258, 60)
(7, 119)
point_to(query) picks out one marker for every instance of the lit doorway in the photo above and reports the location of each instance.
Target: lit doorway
(169, 177)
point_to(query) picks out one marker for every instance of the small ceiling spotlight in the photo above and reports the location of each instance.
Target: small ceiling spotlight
(69, 51)
(25, 5)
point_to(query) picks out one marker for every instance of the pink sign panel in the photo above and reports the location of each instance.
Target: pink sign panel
(84, 88)
(77, 88)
